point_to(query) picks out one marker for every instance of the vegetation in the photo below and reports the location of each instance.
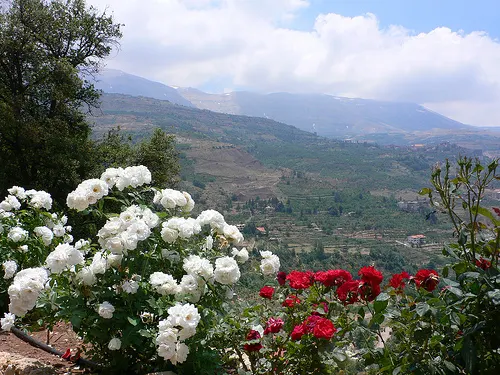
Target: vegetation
(47, 49)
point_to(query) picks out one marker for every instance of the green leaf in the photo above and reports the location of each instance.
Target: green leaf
(425, 191)
(449, 282)
(456, 291)
(495, 296)
(460, 267)
(380, 306)
(145, 333)
(396, 371)
(469, 355)
(377, 319)
(133, 321)
(422, 308)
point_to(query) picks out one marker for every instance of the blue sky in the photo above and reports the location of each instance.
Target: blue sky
(442, 54)
(417, 15)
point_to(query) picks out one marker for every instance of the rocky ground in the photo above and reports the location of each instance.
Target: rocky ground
(20, 358)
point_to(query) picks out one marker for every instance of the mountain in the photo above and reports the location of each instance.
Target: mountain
(327, 115)
(116, 81)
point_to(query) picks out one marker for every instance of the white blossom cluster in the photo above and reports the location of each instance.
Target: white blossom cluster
(270, 263)
(115, 344)
(34, 198)
(131, 286)
(170, 199)
(10, 269)
(90, 191)
(7, 322)
(17, 234)
(101, 262)
(190, 288)
(64, 257)
(106, 310)
(87, 193)
(240, 255)
(226, 271)
(54, 227)
(122, 178)
(180, 325)
(219, 225)
(179, 227)
(123, 232)
(25, 289)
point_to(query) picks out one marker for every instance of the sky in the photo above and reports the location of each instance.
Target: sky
(443, 54)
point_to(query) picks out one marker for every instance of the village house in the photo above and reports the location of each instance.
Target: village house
(416, 240)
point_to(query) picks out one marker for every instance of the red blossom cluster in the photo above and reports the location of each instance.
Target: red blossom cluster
(348, 291)
(267, 292)
(300, 280)
(321, 328)
(253, 335)
(273, 325)
(332, 277)
(427, 279)
(291, 301)
(483, 263)
(398, 281)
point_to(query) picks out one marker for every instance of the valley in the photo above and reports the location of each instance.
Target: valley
(310, 193)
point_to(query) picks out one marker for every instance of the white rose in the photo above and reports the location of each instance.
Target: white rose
(17, 234)
(106, 310)
(115, 344)
(10, 268)
(8, 321)
(226, 271)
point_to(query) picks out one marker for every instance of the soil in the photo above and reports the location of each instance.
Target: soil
(17, 357)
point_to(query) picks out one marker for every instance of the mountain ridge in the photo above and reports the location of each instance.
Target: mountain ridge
(324, 114)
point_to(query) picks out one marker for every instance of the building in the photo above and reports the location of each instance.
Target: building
(416, 240)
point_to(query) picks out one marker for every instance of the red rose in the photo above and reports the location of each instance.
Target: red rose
(349, 291)
(273, 325)
(371, 275)
(332, 277)
(311, 321)
(324, 329)
(291, 301)
(300, 280)
(281, 277)
(427, 279)
(298, 331)
(483, 263)
(369, 292)
(397, 280)
(253, 346)
(267, 292)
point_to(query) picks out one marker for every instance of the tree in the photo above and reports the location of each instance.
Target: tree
(157, 152)
(48, 52)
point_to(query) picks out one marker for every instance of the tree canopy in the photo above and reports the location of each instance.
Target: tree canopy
(48, 51)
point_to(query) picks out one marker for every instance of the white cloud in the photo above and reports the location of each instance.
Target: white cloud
(249, 43)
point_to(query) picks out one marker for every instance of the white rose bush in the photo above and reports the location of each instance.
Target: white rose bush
(142, 290)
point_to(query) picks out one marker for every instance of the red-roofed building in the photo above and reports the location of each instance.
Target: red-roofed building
(416, 240)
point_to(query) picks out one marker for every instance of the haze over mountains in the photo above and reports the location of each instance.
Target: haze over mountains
(336, 117)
